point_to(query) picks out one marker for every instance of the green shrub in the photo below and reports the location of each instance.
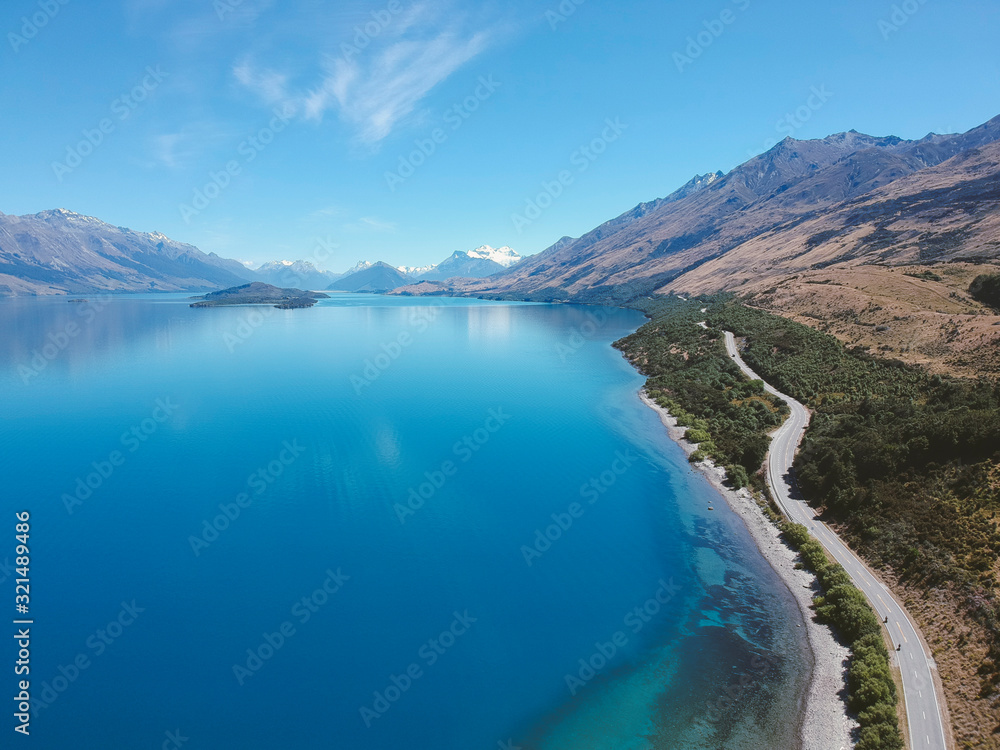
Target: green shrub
(737, 476)
(871, 689)
(883, 736)
(697, 436)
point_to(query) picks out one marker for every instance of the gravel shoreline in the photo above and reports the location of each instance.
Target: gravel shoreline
(826, 724)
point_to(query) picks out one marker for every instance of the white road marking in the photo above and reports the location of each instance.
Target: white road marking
(799, 512)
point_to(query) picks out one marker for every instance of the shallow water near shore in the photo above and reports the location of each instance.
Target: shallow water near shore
(375, 523)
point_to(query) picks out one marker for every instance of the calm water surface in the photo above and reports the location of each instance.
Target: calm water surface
(313, 529)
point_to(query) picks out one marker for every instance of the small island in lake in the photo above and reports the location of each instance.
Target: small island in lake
(258, 293)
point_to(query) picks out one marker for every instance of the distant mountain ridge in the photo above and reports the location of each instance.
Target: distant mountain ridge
(62, 252)
(503, 256)
(474, 264)
(462, 265)
(480, 263)
(377, 277)
(300, 274)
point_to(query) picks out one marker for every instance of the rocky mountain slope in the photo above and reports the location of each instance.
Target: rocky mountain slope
(875, 240)
(659, 245)
(61, 252)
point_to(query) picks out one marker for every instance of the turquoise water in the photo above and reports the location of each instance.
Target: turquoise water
(312, 528)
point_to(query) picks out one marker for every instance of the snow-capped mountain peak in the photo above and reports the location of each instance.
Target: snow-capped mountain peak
(361, 265)
(416, 270)
(503, 255)
(278, 265)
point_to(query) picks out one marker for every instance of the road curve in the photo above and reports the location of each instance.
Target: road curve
(923, 710)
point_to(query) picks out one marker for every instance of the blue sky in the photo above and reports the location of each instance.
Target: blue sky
(404, 131)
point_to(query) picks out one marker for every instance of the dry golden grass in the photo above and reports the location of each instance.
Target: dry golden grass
(926, 322)
(959, 647)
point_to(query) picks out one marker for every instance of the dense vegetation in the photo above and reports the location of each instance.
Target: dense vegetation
(870, 685)
(907, 465)
(986, 289)
(691, 376)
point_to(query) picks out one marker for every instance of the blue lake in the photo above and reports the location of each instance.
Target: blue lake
(376, 523)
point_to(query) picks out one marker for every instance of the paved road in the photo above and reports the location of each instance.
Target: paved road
(923, 711)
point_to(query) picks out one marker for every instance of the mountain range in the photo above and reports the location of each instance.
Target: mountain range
(62, 252)
(729, 231)
(300, 274)
(376, 277)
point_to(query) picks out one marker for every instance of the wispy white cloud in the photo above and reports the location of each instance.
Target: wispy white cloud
(165, 149)
(213, 18)
(270, 86)
(374, 98)
(373, 89)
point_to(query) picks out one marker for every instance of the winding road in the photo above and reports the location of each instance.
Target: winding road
(923, 710)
